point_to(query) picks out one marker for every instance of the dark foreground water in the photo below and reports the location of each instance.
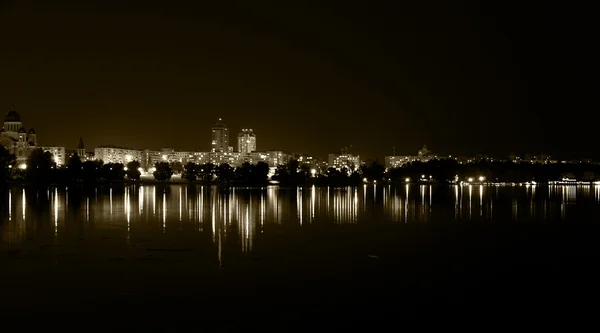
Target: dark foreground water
(151, 255)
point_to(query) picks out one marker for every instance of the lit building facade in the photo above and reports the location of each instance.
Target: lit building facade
(348, 161)
(113, 154)
(246, 141)
(220, 138)
(15, 138)
(58, 154)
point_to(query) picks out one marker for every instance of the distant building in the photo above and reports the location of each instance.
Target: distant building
(15, 138)
(58, 154)
(423, 155)
(339, 161)
(113, 154)
(246, 141)
(220, 137)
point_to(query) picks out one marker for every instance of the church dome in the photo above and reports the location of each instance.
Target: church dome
(22, 130)
(12, 116)
(31, 131)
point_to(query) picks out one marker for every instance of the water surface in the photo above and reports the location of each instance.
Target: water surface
(130, 246)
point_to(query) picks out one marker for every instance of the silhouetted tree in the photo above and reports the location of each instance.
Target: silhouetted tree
(133, 170)
(74, 168)
(250, 174)
(207, 171)
(113, 172)
(373, 172)
(39, 167)
(163, 171)
(92, 171)
(190, 171)
(7, 164)
(292, 173)
(225, 173)
(176, 167)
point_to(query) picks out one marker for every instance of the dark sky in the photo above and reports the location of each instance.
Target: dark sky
(461, 77)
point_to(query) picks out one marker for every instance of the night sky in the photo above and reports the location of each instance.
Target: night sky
(461, 78)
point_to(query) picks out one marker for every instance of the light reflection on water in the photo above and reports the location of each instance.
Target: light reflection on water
(245, 213)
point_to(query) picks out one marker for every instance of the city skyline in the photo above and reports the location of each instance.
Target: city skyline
(307, 79)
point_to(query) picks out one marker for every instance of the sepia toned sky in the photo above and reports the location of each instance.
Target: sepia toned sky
(461, 77)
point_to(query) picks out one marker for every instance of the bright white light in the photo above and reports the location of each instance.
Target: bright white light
(422, 176)
(313, 171)
(407, 180)
(23, 166)
(164, 157)
(481, 178)
(125, 168)
(374, 182)
(141, 169)
(128, 158)
(470, 179)
(56, 160)
(365, 180)
(152, 169)
(10, 166)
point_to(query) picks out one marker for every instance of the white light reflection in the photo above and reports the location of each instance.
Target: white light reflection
(55, 211)
(10, 205)
(128, 212)
(141, 202)
(164, 211)
(154, 202)
(312, 203)
(406, 205)
(299, 204)
(87, 209)
(480, 200)
(456, 202)
(470, 200)
(23, 204)
(110, 201)
(180, 203)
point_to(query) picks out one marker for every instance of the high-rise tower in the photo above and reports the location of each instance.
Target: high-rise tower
(246, 141)
(220, 137)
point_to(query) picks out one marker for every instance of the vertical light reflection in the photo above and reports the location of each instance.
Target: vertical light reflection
(515, 209)
(480, 200)
(110, 201)
(312, 203)
(141, 202)
(262, 210)
(470, 201)
(180, 203)
(87, 209)
(10, 205)
(214, 216)
(406, 205)
(456, 202)
(154, 202)
(164, 212)
(55, 211)
(430, 197)
(299, 203)
(23, 204)
(364, 197)
(128, 212)
(247, 225)
(374, 193)
(355, 213)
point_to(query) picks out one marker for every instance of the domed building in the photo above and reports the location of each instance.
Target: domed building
(15, 137)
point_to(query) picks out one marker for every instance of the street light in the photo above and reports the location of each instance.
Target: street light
(481, 178)
(23, 166)
(470, 179)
